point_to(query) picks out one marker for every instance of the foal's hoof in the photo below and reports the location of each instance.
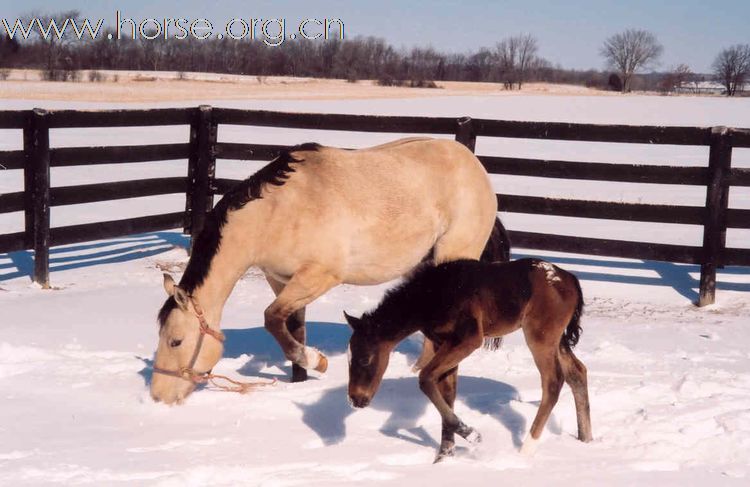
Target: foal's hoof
(474, 437)
(444, 453)
(529, 446)
(469, 434)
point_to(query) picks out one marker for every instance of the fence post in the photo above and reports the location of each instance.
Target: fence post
(36, 190)
(465, 133)
(201, 171)
(715, 224)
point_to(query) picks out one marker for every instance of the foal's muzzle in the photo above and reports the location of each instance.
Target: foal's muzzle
(360, 401)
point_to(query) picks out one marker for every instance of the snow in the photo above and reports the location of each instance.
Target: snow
(669, 383)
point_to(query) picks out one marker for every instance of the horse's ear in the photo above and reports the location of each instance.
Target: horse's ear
(179, 295)
(354, 323)
(169, 284)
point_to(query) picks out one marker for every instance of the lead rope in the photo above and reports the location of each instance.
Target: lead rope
(208, 377)
(240, 387)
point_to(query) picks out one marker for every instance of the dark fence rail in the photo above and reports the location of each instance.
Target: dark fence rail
(79, 156)
(120, 118)
(629, 134)
(628, 173)
(200, 184)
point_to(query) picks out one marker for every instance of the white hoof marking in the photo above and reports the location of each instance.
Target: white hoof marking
(312, 358)
(529, 446)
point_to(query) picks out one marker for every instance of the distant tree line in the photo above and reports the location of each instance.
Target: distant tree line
(511, 62)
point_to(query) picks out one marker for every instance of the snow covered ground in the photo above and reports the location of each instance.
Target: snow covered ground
(669, 383)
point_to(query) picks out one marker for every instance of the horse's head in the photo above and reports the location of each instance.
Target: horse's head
(188, 347)
(368, 359)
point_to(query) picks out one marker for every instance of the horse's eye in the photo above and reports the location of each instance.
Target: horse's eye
(175, 343)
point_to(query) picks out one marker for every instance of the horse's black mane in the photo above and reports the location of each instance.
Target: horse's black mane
(207, 243)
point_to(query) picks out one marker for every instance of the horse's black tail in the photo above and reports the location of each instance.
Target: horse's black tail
(498, 246)
(496, 250)
(572, 333)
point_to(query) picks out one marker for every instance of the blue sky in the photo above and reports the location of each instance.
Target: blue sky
(569, 32)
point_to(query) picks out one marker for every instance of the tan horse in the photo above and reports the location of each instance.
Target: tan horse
(312, 219)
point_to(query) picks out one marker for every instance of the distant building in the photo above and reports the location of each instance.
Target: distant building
(708, 88)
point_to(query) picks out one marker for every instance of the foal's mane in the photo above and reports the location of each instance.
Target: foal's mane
(423, 297)
(207, 243)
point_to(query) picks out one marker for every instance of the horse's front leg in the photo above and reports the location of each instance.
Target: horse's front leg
(440, 367)
(305, 286)
(296, 326)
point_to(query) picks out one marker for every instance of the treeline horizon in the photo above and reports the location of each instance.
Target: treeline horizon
(511, 62)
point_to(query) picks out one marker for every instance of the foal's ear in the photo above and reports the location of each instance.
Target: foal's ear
(354, 323)
(176, 291)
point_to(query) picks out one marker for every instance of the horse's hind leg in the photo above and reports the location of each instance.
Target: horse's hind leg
(575, 376)
(545, 356)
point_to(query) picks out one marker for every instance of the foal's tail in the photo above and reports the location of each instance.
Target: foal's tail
(572, 333)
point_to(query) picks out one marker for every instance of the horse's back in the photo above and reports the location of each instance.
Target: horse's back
(379, 211)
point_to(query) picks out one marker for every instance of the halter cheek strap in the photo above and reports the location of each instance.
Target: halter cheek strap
(189, 373)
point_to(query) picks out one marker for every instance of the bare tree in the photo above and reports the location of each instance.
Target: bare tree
(676, 77)
(54, 47)
(527, 58)
(732, 67)
(516, 57)
(506, 53)
(631, 51)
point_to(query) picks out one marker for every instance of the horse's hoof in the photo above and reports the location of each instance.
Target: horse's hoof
(314, 360)
(322, 364)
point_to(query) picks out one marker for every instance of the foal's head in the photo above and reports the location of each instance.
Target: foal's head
(181, 355)
(369, 354)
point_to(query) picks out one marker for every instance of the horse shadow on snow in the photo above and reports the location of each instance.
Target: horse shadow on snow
(400, 397)
(406, 404)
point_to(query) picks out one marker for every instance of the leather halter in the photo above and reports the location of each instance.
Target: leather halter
(188, 373)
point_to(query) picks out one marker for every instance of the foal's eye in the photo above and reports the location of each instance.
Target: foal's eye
(174, 343)
(365, 361)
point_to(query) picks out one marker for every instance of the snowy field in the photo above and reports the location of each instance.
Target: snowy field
(669, 383)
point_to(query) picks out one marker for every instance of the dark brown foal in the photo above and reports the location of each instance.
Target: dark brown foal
(459, 304)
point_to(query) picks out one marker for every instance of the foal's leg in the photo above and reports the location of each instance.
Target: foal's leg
(575, 375)
(544, 351)
(447, 387)
(446, 359)
(296, 326)
(305, 286)
(428, 351)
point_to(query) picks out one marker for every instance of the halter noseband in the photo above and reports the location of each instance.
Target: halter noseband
(189, 373)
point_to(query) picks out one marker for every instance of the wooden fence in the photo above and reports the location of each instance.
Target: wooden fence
(200, 184)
